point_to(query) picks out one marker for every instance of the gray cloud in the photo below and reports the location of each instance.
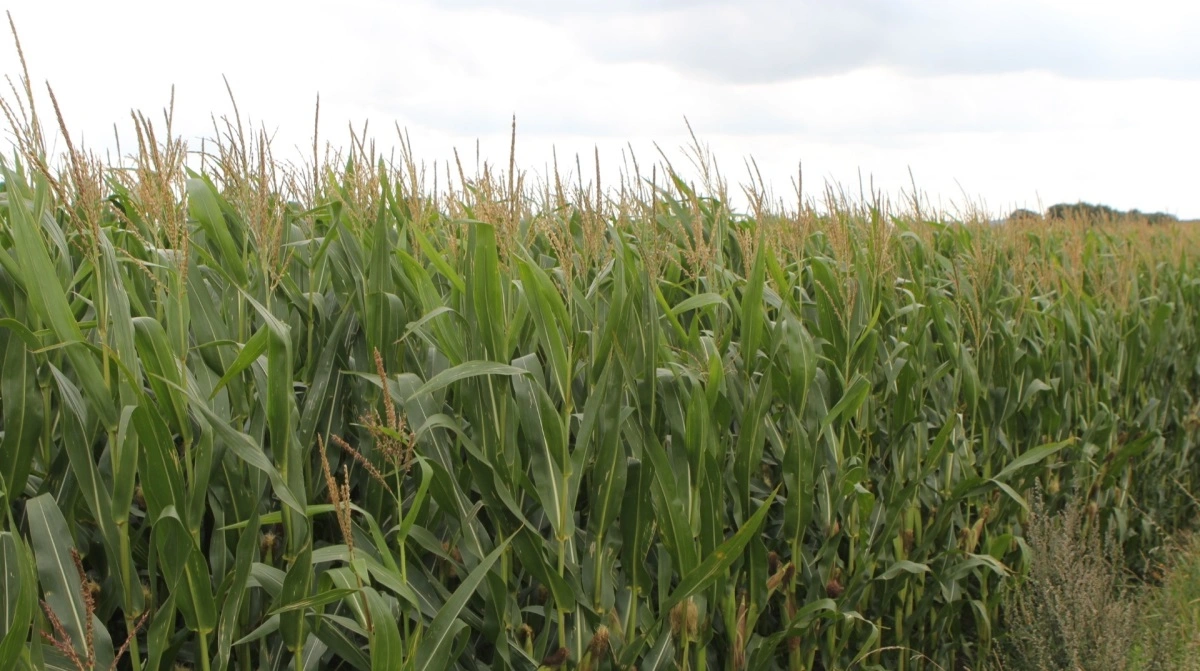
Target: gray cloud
(759, 41)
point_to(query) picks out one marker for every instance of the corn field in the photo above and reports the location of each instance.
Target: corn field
(360, 415)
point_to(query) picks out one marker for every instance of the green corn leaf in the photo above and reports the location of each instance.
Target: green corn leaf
(903, 566)
(162, 474)
(1032, 457)
(379, 279)
(18, 597)
(62, 588)
(751, 439)
(387, 649)
(462, 371)
(751, 311)
(48, 299)
(529, 549)
(438, 260)
(717, 563)
(324, 376)
(540, 421)
(637, 526)
(22, 416)
(245, 449)
(205, 207)
(334, 632)
(610, 470)
(227, 628)
(850, 402)
(77, 438)
(485, 298)
(253, 349)
(315, 601)
(118, 316)
(433, 652)
(698, 302)
(297, 585)
(549, 317)
(32, 340)
(671, 513)
(417, 504)
(158, 633)
(186, 572)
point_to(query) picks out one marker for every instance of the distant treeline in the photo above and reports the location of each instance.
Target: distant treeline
(1090, 212)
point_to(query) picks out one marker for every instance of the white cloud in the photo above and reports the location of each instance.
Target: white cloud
(573, 74)
(773, 40)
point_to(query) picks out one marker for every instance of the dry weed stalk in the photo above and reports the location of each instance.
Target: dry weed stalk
(393, 439)
(339, 496)
(1072, 611)
(61, 640)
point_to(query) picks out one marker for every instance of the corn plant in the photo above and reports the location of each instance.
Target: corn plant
(339, 417)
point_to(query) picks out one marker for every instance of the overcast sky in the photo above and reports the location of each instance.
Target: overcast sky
(1012, 103)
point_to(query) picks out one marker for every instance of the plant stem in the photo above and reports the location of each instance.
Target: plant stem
(562, 614)
(631, 625)
(47, 428)
(597, 573)
(135, 654)
(130, 582)
(204, 663)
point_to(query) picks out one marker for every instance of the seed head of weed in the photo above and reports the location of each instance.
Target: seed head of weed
(1072, 610)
